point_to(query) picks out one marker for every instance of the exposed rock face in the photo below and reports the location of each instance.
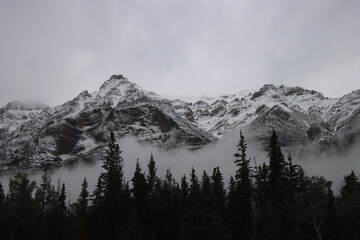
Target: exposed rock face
(33, 136)
(79, 128)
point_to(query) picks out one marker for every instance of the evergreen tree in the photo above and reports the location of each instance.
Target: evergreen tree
(349, 207)
(23, 210)
(140, 193)
(184, 187)
(314, 207)
(277, 165)
(219, 192)
(212, 223)
(240, 210)
(113, 202)
(57, 219)
(281, 212)
(83, 201)
(3, 208)
(331, 228)
(351, 186)
(261, 197)
(81, 208)
(191, 223)
(169, 213)
(151, 176)
(153, 201)
(2, 194)
(45, 194)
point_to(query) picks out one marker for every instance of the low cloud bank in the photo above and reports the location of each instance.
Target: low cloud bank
(180, 161)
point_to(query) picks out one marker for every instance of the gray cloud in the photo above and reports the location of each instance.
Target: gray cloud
(52, 50)
(332, 166)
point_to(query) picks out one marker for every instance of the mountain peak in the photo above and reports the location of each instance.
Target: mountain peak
(119, 76)
(115, 80)
(17, 105)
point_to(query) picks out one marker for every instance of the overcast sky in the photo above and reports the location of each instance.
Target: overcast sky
(52, 50)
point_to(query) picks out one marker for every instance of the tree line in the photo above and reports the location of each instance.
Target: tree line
(262, 202)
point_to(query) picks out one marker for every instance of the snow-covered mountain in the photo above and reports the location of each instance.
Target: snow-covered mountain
(35, 136)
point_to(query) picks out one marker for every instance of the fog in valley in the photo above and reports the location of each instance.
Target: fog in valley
(180, 161)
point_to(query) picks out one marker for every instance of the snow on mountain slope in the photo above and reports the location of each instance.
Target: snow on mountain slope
(16, 113)
(38, 136)
(217, 115)
(79, 128)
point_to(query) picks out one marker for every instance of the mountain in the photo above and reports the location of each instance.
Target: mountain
(37, 136)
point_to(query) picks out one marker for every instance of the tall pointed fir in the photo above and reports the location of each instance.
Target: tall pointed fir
(281, 218)
(349, 206)
(217, 181)
(140, 194)
(110, 196)
(240, 210)
(83, 202)
(191, 222)
(22, 208)
(151, 176)
(81, 210)
(153, 184)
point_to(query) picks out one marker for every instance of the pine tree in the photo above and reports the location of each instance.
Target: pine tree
(240, 210)
(331, 228)
(83, 201)
(140, 193)
(151, 176)
(3, 209)
(57, 219)
(349, 207)
(23, 210)
(219, 192)
(313, 206)
(111, 202)
(81, 208)
(2, 194)
(261, 197)
(184, 187)
(169, 213)
(153, 201)
(212, 222)
(281, 218)
(350, 186)
(191, 222)
(45, 194)
(277, 164)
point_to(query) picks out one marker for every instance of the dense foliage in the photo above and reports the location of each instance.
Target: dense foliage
(275, 201)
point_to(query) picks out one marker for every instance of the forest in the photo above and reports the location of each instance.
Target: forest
(268, 201)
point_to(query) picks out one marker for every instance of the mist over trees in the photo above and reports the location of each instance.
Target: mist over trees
(268, 201)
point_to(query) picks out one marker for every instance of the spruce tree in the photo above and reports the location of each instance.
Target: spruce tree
(81, 208)
(3, 209)
(219, 192)
(140, 194)
(153, 200)
(23, 210)
(277, 164)
(281, 218)
(113, 208)
(240, 212)
(313, 207)
(191, 223)
(151, 176)
(184, 187)
(169, 213)
(2, 194)
(349, 207)
(261, 198)
(83, 201)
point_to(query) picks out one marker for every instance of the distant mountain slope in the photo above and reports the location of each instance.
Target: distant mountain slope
(35, 136)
